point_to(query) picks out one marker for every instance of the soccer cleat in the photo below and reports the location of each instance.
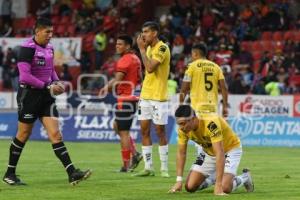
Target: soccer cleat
(145, 172)
(123, 169)
(249, 185)
(78, 176)
(12, 179)
(164, 174)
(136, 159)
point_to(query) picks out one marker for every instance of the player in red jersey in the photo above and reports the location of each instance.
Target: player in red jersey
(127, 76)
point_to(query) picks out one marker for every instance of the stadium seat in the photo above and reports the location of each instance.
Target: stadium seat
(278, 45)
(65, 20)
(55, 20)
(277, 36)
(289, 35)
(60, 30)
(256, 45)
(297, 35)
(246, 45)
(267, 45)
(295, 79)
(256, 55)
(21, 23)
(266, 35)
(71, 29)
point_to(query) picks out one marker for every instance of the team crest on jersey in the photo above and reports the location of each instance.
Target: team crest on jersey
(40, 54)
(162, 48)
(213, 128)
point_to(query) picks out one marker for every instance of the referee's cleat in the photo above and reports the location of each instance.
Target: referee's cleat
(145, 172)
(249, 185)
(164, 174)
(12, 179)
(136, 159)
(78, 176)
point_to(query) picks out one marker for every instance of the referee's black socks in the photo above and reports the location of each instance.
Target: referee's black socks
(15, 151)
(61, 152)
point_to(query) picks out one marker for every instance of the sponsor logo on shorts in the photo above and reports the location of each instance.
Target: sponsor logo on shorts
(28, 116)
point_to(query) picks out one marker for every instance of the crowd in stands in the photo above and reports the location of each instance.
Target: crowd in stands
(256, 44)
(229, 29)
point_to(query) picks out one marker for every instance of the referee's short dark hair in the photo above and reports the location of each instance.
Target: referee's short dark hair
(201, 47)
(184, 111)
(42, 22)
(126, 38)
(154, 26)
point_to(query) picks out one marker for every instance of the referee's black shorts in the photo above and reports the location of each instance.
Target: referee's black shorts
(124, 114)
(35, 103)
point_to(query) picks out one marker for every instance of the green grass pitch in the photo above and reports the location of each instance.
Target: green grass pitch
(275, 172)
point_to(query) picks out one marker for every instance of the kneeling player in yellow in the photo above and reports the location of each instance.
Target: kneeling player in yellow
(221, 157)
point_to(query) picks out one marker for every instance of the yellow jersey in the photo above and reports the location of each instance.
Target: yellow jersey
(212, 129)
(203, 76)
(155, 84)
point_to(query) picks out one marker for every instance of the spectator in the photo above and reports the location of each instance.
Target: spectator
(65, 75)
(85, 62)
(282, 75)
(237, 86)
(245, 57)
(178, 46)
(1, 56)
(64, 9)
(14, 74)
(247, 13)
(259, 87)
(1, 62)
(44, 10)
(6, 31)
(6, 11)
(223, 57)
(172, 85)
(103, 4)
(273, 88)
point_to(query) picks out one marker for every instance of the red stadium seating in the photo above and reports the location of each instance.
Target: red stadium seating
(267, 35)
(55, 20)
(256, 55)
(246, 45)
(267, 45)
(71, 30)
(277, 36)
(297, 35)
(65, 20)
(295, 80)
(289, 35)
(60, 30)
(256, 45)
(278, 45)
